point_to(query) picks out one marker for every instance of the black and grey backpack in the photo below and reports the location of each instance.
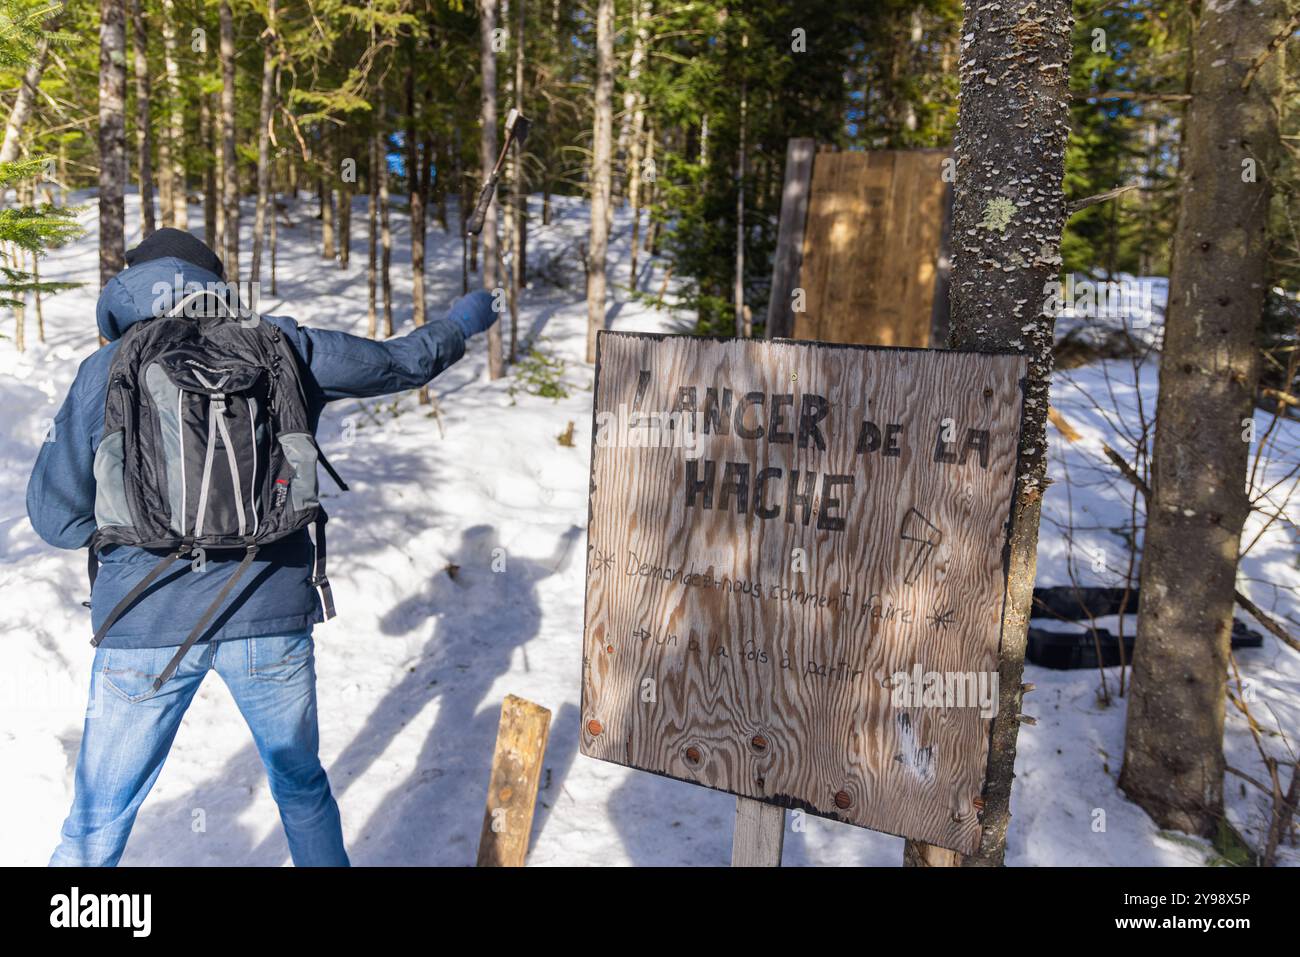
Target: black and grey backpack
(207, 447)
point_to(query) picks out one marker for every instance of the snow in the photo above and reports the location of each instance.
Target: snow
(412, 672)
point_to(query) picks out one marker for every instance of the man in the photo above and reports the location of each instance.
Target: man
(260, 642)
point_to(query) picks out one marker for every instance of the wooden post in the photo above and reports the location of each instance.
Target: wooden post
(759, 835)
(789, 243)
(512, 789)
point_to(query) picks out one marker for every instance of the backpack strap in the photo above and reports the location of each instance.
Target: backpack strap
(140, 587)
(92, 562)
(325, 463)
(202, 624)
(318, 579)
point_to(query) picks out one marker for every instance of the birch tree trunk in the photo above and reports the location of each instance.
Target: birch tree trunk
(23, 102)
(1009, 209)
(1173, 748)
(640, 28)
(112, 138)
(265, 112)
(143, 121)
(601, 173)
(174, 157)
(229, 167)
(487, 159)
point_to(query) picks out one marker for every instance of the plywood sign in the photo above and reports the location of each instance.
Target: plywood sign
(871, 247)
(796, 571)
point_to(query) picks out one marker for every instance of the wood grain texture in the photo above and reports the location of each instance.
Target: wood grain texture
(871, 247)
(759, 836)
(512, 789)
(710, 655)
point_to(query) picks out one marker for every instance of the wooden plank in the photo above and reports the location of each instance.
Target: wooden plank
(871, 247)
(770, 638)
(759, 835)
(512, 788)
(789, 241)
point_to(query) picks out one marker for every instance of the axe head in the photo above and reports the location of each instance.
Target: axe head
(517, 126)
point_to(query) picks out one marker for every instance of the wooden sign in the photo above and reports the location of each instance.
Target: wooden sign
(796, 569)
(872, 247)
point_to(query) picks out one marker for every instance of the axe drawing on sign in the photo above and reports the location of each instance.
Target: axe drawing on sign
(919, 529)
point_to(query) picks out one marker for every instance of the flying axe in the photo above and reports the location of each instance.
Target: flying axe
(516, 130)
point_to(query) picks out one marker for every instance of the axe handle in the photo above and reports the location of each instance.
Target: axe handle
(480, 210)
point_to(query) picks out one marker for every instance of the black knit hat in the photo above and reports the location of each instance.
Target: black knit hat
(176, 242)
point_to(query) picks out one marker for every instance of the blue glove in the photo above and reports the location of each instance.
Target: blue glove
(473, 313)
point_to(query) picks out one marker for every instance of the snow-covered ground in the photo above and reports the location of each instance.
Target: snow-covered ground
(412, 672)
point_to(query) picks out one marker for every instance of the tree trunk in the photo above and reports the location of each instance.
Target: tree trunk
(211, 169)
(372, 239)
(415, 193)
(1173, 748)
(23, 102)
(175, 120)
(229, 164)
(345, 222)
(601, 174)
(640, 25)
(385, 231)
(518, 192)
(275, 219)
(743, 327)
(1008, 214)
(264, 114)
(325, 187)
(112, 138)
(487, 159)
(143, 122)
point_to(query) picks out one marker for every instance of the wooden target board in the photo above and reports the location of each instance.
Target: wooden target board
(796, 572)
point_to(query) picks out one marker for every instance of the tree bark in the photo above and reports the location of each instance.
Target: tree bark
(416, 194)
(211, 169)
(143, 120)
(385, 230)
(518, 192)
(1173, 748)
(112, 138)
(640, 26)
(266, 108)
(372, 239)
(229, 164)
(1007, 219)
(175, 121)
(743, 327)
(601, 174)
(325, 187)
(23, 102)
(487, 159)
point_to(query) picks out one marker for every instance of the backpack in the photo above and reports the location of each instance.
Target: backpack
(207, 447)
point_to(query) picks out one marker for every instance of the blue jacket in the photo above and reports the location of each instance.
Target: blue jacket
(273, 597)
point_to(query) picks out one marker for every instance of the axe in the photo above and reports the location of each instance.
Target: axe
(516, 130)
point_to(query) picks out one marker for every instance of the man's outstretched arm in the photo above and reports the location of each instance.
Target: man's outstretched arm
(353, 367)
(61, 491)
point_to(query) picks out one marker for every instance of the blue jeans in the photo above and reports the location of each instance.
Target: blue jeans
(130, 728)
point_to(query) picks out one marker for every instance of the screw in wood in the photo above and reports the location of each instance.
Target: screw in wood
(842, 800)
(609, 649)
(594, 727)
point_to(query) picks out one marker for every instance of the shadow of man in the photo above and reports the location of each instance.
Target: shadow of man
(483, 607)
